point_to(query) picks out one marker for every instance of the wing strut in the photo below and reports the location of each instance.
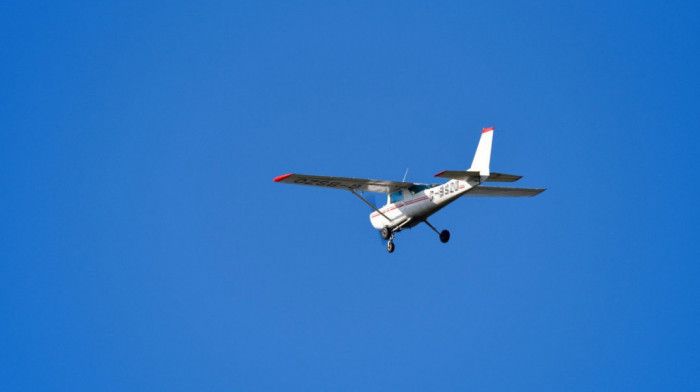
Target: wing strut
(369, 204)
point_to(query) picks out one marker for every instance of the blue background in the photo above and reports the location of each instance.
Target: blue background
(145, 247)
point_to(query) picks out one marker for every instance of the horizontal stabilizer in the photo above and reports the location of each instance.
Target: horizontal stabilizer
(501, 177)
(465, 175)
(498, 191)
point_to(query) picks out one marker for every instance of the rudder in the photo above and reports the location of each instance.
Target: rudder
(482, 157)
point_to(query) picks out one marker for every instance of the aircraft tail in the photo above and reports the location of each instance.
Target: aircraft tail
(482, 158)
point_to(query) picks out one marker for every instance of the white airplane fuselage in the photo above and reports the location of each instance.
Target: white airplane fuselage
(414, 208)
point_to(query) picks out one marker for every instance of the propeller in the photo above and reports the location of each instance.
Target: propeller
(374, 199)
(371, 197)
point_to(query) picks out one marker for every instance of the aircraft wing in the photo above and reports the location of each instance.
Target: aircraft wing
(346, 183)
(498, 191)
(465, 175)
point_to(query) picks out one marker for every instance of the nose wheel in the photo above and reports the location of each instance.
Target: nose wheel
(389, 244)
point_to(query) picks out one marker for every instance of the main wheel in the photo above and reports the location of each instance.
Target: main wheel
(390, 246)
(444, 236)
(386, 233)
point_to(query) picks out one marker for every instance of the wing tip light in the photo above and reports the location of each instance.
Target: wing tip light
(282, 177)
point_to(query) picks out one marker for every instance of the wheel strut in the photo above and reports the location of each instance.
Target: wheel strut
(444, 235)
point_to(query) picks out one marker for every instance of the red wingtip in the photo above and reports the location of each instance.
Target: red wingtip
(438, 175)
(487, 130)
(282, 177)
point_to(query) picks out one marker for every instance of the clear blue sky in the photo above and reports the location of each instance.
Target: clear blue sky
(144, 245)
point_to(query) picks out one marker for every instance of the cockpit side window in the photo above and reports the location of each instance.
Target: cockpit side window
(396, 196)
(417, 188)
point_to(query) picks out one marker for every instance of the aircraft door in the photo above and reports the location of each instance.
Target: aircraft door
(407, 196)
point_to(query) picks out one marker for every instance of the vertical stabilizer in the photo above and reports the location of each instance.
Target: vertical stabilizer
(482, 158)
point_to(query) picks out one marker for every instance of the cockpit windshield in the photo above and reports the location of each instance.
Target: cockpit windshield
(413, 189)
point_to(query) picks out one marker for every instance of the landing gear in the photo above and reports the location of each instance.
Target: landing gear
(444, 236)
(390, 244)
(386, 233)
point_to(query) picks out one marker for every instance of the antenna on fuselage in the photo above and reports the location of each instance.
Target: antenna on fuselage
(404, 175)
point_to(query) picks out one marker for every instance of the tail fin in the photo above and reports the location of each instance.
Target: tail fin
(482, 158)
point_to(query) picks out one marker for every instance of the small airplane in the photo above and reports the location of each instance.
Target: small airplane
(409, 203)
